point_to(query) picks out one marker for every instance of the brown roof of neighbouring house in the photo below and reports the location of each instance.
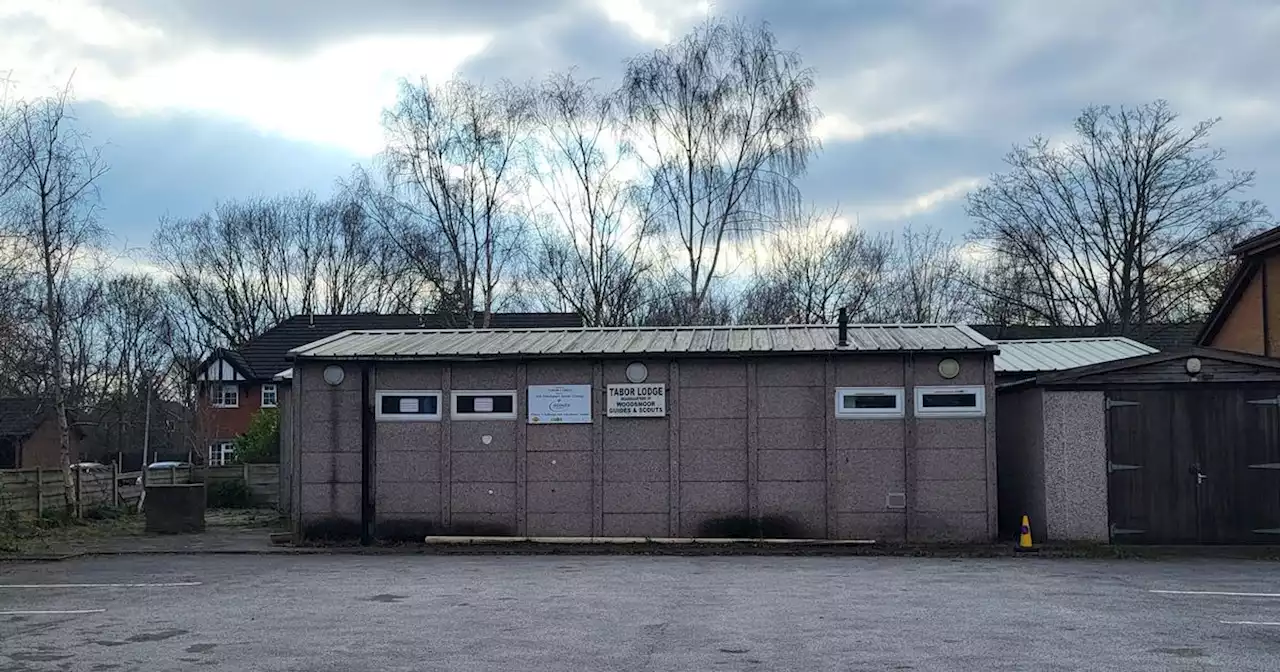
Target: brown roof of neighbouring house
(21, 416)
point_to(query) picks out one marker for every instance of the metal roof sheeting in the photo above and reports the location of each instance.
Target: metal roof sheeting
(522, 343)
(1060, 354)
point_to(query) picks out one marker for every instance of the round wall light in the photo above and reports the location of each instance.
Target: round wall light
(334, 375)
(948, 368)
(1193, 365)
(637, 372)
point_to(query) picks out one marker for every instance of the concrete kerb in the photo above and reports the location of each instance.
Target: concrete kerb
(698, 547)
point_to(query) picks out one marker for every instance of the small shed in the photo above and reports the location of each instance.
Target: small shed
(1174, 447)
(844, 432)
(30, 437)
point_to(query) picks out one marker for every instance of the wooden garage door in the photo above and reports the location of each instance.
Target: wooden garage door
(1197, 465)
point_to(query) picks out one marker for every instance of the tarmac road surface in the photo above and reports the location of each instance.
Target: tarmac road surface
(581, 614)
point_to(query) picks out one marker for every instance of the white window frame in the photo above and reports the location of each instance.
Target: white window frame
(275, 396)
(897, 393)
(408, 417)
(225, 450)
(217, 398)
(978, 391)
(453, 405)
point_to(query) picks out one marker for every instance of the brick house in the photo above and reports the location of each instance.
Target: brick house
(1246, 318)
(233, 384)
(29, 436)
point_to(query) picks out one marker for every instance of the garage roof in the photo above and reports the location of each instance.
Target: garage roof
(1060, 354)
(524, 343)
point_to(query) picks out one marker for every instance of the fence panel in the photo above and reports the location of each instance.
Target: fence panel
(30, 492)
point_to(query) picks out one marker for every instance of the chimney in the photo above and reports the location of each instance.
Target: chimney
(843, 325)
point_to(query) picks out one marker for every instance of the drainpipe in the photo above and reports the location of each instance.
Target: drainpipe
(843, 325)
(366, 457)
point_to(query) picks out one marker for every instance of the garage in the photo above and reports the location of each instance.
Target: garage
(1185, 447)
(865, 432)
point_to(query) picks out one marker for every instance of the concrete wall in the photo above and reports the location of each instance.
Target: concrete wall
(742, 440)
(288, 443)
(1053, 463)
(1075, 465)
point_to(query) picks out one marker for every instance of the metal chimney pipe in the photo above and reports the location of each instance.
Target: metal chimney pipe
(843, 325)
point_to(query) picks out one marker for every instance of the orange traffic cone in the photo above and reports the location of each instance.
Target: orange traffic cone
(1024, 536)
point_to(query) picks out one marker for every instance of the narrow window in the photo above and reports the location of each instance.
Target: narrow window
(869, 402)
(408, 405)
(951, 402)
(269, 396)
(484, 405)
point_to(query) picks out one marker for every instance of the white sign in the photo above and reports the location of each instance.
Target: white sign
(559, 404)
(644, 400)
(482, 405)
(408, 404)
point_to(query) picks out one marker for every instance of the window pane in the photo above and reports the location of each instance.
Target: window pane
(410, 405)
(950, 400)
(876, 401)
(488, 403)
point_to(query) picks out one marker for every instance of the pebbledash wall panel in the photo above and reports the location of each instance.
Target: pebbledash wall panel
(744, 439)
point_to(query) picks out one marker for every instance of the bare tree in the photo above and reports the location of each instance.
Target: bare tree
(813, 267)
(722, 122)
(251, 264)
(926, 279)
(591, 252)
(452, 160)
(1121, 226)
(50, 215)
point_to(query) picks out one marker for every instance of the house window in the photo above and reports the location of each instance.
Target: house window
(408, 405)
(225, 396)
(869, 402)
(951, 402)
(484, 405)
(221, 453)
(270, 397)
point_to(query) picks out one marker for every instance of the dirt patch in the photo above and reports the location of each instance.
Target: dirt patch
(157, 636)
(386, 598)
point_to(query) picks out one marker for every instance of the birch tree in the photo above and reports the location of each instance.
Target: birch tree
(50, 215)
(591, 253)
(722, 121)
(453, 162)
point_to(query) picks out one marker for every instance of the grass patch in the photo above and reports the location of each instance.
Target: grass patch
(54, 530)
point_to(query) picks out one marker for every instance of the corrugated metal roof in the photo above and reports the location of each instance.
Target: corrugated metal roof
(1060, 354)
(522, 343)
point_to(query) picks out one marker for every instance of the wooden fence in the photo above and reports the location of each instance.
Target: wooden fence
(32, 492)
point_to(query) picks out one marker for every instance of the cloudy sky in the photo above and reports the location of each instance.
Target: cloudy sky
(202, 100)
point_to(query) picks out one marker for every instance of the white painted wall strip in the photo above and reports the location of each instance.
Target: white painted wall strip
(47, 612)
(1213, 592)
(179, 584)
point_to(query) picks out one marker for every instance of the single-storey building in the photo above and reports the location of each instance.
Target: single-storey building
(844, 432)
(30, 437)
(1171, 447)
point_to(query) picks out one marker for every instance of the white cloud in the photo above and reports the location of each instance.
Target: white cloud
(919, 204)
(333, 96)
(655, 21)
(839, 127)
